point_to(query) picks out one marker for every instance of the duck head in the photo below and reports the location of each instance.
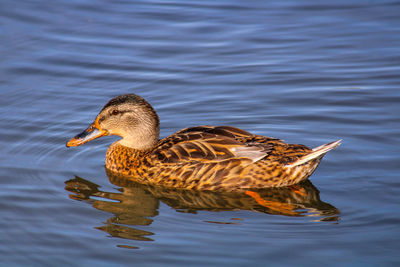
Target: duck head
(128, 116)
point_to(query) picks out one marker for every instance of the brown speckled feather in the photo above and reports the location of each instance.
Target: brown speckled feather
(205, 144)
(213, 158)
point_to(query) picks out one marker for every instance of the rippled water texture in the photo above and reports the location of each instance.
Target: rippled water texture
(308, 72)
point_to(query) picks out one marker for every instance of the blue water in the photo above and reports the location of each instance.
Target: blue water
(305, 71)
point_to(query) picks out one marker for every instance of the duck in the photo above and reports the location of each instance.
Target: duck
(215, 158)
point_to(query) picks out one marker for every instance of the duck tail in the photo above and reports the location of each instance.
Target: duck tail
(317, 152)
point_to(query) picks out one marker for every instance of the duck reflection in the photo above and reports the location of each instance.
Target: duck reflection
(137, 204)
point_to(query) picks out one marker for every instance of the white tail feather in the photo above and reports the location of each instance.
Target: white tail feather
(316, 152)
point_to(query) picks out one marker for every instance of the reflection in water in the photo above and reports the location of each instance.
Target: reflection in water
(137, 204)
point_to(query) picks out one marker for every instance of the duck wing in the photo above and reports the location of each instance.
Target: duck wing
(206, 144)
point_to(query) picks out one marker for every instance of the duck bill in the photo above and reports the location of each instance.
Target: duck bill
(87, 135)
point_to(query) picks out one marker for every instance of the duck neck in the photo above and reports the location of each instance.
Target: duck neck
(124, 160)
(141, 139)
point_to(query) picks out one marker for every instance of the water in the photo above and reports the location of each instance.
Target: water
(305, 72)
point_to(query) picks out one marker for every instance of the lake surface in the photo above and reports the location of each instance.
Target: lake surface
(305, 71)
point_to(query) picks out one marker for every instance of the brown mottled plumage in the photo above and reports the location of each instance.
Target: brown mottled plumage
(202, 158)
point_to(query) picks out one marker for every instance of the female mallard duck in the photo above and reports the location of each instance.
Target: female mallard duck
(202, 157)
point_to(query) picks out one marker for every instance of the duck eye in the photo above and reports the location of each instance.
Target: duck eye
(114, 112)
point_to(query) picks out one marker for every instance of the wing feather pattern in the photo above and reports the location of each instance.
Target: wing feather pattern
(207, 144)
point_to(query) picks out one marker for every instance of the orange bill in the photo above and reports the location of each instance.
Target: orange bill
(92, 132)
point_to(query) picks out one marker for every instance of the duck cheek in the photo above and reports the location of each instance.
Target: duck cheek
(115, 132)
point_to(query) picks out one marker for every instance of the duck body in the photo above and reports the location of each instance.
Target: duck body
(222, 158)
